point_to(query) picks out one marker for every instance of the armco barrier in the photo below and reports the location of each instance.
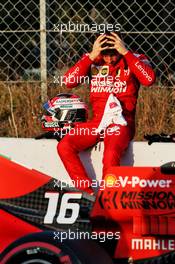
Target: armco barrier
(42, 155)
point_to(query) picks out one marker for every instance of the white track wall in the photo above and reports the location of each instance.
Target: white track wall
(42, 155)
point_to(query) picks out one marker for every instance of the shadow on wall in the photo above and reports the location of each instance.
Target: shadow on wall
(86, 159)
(128, 157)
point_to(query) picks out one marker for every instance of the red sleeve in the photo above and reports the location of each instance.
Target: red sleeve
(140, 67)
(74, 75)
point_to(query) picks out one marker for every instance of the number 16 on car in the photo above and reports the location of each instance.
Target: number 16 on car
(65, 205)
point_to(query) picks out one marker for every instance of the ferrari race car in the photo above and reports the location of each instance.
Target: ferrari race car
(130, 220)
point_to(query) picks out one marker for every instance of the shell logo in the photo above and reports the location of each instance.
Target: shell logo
(110, 180)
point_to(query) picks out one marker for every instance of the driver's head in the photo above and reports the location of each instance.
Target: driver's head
(110, 56)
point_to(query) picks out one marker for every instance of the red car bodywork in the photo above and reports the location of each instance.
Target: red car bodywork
(143, 209)
(16, 181)
(145, 212)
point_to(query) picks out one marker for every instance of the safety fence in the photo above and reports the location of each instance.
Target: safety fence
(39, 39)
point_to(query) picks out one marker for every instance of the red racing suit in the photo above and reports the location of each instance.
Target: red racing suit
(123, 80)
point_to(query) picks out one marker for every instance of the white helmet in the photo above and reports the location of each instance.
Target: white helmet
(62, 111)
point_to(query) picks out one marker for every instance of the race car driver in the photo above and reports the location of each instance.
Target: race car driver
(115, 76)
